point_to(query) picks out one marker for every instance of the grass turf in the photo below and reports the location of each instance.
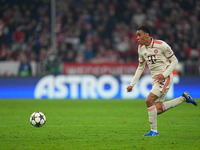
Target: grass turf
(96, 125)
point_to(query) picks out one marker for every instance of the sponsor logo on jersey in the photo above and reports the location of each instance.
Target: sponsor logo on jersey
(155, 51)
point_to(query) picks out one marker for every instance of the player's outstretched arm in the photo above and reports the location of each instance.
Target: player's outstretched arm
(137, 75)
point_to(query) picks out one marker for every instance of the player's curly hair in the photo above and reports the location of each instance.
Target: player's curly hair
(145, 29)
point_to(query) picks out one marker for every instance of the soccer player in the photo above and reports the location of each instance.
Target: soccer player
(161, 62)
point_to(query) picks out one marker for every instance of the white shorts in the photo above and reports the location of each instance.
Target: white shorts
(161, 89)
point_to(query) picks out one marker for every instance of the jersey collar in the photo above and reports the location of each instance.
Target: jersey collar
(152, 43)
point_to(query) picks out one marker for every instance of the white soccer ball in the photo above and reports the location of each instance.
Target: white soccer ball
(37, 119)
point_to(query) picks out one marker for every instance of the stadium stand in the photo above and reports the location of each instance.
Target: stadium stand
(98, 30)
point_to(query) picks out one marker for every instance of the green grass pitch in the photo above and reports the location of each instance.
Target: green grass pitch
(96, 125)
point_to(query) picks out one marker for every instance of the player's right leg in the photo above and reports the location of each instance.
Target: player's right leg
(152, 112)
(151, 133)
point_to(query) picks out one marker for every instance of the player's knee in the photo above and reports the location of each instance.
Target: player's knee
(159, 111)
(159, 108)
(149, 102)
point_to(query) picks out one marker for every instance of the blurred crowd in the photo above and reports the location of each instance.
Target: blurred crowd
(97, 30)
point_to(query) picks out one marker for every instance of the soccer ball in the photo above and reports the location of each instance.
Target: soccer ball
(37, 119)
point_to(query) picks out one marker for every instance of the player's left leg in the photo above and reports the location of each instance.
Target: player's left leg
(172, 103)
(164, 106)
(156, 105)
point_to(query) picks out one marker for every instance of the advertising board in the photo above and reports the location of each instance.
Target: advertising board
(90, 87)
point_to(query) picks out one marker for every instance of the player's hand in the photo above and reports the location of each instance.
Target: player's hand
(129, 88)
(159, 78)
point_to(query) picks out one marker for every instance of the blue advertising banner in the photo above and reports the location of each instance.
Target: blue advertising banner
(90, 87)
